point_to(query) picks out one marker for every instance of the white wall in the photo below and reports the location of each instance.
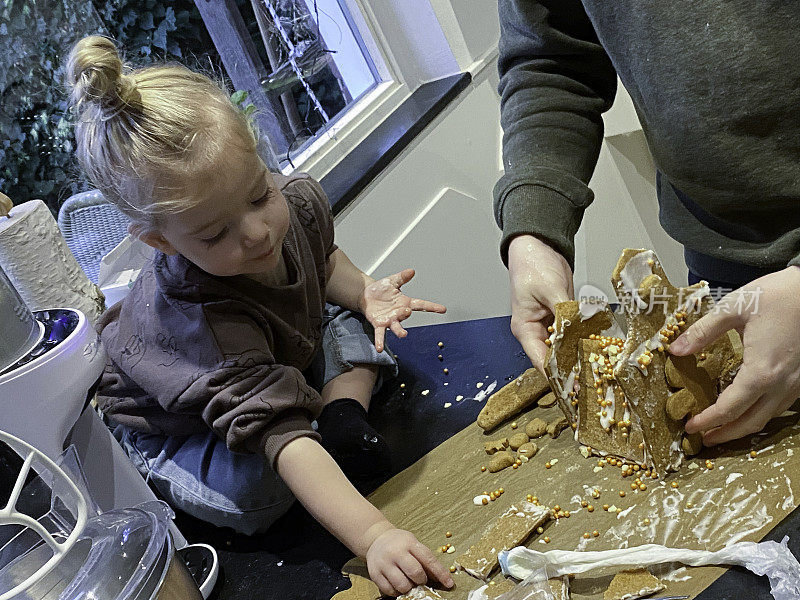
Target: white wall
(431, 209)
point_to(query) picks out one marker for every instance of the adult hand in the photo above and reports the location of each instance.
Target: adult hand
(540, 279)
(766, 313)
(397, 562)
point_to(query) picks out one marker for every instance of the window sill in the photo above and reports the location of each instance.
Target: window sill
(367, 159)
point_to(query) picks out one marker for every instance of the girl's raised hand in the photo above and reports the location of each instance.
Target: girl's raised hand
(385, 306)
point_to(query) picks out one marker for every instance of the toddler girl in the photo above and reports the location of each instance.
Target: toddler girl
(215, 353)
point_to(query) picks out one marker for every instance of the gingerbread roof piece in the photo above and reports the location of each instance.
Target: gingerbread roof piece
(657, 312)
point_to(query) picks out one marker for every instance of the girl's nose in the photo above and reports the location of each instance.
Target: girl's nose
(255, 232)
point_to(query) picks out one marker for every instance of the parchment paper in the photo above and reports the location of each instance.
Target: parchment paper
(740, 499)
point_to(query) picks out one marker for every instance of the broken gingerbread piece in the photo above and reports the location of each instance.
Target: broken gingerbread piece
(510, 530)
(421, 592)
(500, 460)
(571, 325)
(606, 423)
(528, 450)
(536, 428)
(5, 205)
(512, 399)
(732, 362)
(517, 440)
(630, 585)
(496, 445)
(555, 428)
(548, 400)
(361, 588)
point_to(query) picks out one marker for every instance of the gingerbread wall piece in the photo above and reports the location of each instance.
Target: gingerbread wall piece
(510, 530)
(513, 398)
(630, 585)
(361, 588)
(496, 589)
(570, 325)
(657, 313)
(559, 587)
(606, 422)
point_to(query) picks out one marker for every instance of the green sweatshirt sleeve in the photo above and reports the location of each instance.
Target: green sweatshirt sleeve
(555, 82)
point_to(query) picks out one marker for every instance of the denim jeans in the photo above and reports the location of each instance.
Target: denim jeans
(201, 476)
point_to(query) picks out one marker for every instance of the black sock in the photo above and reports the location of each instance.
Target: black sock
(357, 448)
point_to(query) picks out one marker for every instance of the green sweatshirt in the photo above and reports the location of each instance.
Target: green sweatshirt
(716, 86)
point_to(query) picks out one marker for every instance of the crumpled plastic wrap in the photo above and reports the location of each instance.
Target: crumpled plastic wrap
(772, 559)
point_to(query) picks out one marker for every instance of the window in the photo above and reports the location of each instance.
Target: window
(360, 59)
(305, 64)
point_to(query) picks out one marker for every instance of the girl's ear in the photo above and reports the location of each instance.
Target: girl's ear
(151, 237)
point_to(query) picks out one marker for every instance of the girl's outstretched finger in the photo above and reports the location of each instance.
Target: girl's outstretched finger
(380, 335)
(427, 306)
(433, 567)
(398, 330)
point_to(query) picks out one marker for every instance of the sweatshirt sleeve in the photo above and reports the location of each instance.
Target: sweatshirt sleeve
(208, 362)
(251, 401)
(555, 82)
(253, 404)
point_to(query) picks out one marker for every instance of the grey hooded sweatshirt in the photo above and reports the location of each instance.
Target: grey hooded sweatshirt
(716, 86)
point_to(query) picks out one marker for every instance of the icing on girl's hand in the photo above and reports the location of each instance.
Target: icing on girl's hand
(385, 306)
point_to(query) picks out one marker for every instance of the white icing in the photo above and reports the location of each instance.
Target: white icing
(480, 593)
(625, 512)
(482, 394)
(564, 385)
(421, 593)
(634, 272)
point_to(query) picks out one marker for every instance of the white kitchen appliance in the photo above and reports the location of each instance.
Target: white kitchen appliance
(45, 397)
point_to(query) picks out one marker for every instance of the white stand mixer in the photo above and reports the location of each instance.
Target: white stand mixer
(45, 394)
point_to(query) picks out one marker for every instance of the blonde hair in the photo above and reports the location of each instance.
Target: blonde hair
(142, 133)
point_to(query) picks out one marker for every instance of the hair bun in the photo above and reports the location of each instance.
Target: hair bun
(95, 72)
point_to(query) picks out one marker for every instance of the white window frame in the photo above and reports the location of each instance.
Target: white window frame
(390, 37)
